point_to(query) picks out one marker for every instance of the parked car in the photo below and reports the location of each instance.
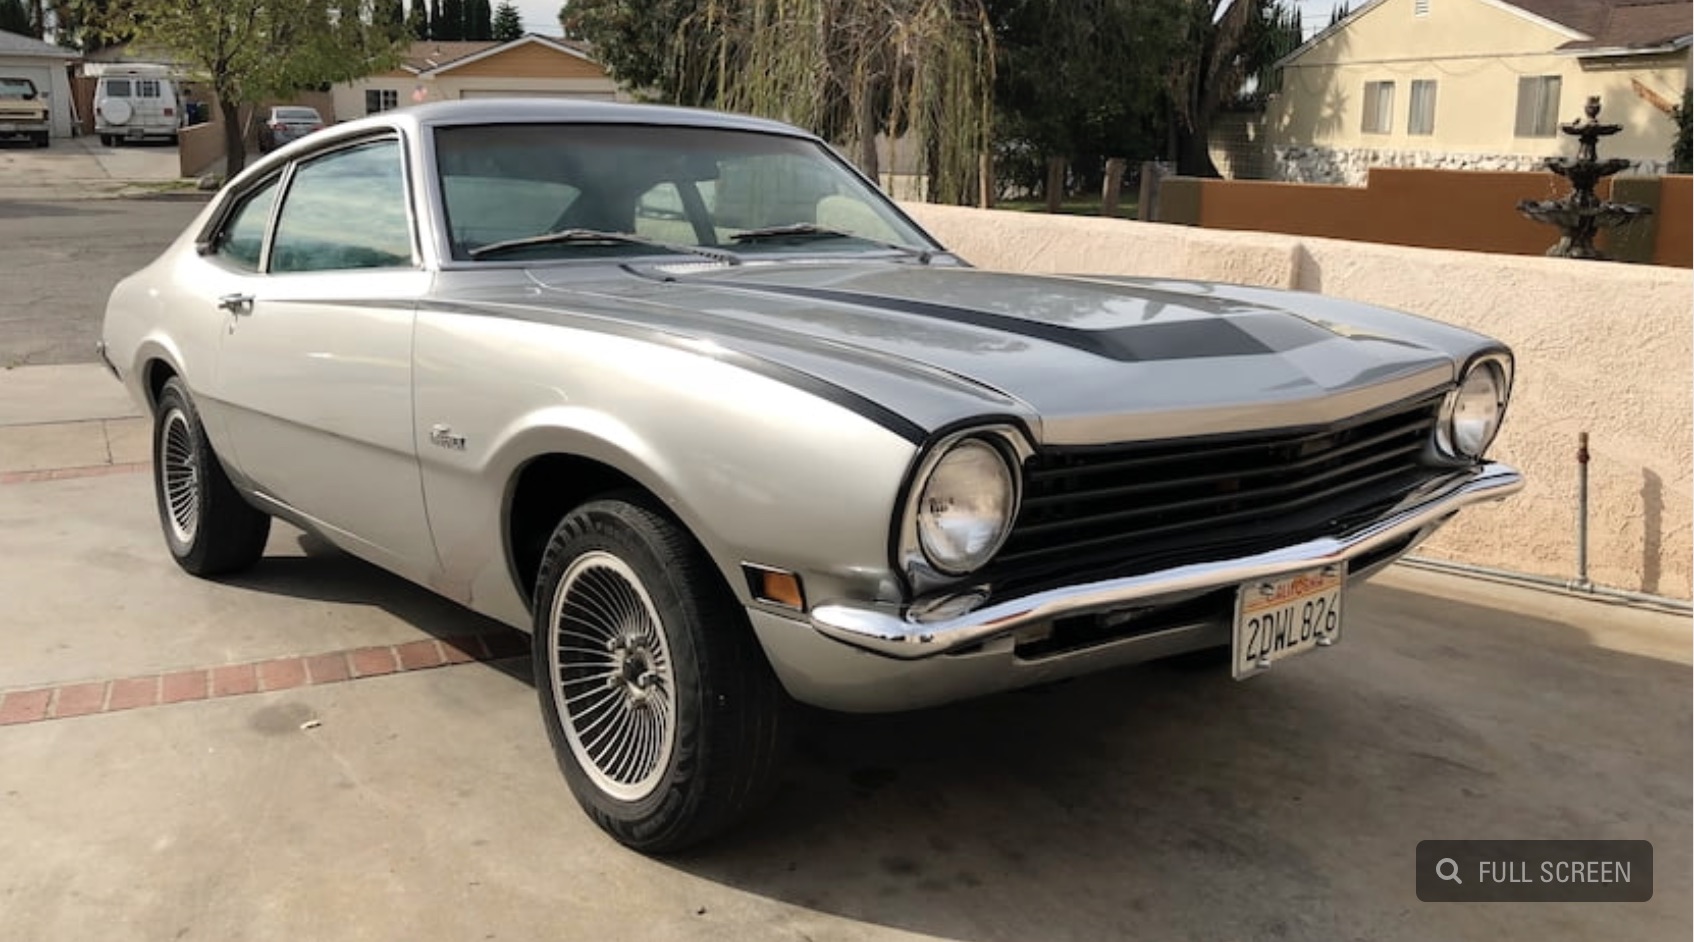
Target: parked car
(286, 124)
(135, 105)
(686, 397)
(23, 111)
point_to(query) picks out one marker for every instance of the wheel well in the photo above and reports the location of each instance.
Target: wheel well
(547, 488)
(158, 372)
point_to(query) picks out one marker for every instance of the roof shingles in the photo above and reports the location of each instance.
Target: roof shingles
(1617, 24)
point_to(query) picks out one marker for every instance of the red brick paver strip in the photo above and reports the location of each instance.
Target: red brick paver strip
(183, 686)
(232, 680)
(79, 700)
(282, 674)
(24, 706)
(373, 662)
(132, 692)
(327, 668)
(418, 655)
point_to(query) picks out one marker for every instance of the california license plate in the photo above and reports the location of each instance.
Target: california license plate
(1285, 616)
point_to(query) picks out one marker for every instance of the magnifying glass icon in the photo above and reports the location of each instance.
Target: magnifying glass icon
(1448, 869)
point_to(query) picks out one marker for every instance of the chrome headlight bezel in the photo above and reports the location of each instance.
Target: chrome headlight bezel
(1449, 441)
(922, 570)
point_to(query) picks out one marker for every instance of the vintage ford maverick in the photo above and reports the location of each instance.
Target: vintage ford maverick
(687, 398)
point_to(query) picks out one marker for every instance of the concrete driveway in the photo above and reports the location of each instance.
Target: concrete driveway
(317, 750)
(82, 167)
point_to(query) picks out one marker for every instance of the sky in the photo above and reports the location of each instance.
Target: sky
(539, 16)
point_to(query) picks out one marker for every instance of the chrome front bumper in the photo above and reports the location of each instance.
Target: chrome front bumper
(939, 626)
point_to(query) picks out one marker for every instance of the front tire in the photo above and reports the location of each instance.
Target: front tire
(663, 713)
(209, 527)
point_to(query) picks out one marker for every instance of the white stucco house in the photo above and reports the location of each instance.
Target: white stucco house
(45, 65)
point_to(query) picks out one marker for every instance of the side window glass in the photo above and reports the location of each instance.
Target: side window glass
(243, 234)
(345, 211)
(117, 88)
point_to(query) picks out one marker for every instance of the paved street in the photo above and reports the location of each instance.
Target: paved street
(59, 261)
(318, 750)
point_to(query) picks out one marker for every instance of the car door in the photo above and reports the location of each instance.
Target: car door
(315, 366)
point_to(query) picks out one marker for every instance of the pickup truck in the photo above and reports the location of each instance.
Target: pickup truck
(23, 113)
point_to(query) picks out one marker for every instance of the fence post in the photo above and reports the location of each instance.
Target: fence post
(1055, 183)
(1114, 186)
(1147, 209)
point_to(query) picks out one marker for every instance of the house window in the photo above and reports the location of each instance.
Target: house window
(1379, 107)
(381, 99)
(1420, 7)
(1538, 106)
(1422, 118)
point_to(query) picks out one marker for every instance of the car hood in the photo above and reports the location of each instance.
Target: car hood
(1079, 360)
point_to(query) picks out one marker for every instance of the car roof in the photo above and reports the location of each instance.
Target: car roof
(570, 111)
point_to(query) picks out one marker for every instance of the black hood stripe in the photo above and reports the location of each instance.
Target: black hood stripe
(1253, 333)
(799, 379)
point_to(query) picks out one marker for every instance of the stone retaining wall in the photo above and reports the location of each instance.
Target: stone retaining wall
(1351, 166)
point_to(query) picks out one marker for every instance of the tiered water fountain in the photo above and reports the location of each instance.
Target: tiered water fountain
(1581, 215)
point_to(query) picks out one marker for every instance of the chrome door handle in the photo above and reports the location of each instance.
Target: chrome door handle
(237, 304)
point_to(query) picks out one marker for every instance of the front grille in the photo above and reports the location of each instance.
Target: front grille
(1124, 509)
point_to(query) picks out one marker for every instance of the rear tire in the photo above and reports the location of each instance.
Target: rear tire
(663, 713)
(209, 527)
(43, 140)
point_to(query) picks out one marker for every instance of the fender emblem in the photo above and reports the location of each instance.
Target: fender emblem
(442, 436)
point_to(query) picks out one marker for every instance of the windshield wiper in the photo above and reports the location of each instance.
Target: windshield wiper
(584, 236)
(806, 230)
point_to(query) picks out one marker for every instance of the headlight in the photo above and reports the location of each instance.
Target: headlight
(1472, 413)
(965, 507)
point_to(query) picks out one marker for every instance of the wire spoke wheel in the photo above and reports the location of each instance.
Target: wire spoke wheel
(179, 477)
(613, 679)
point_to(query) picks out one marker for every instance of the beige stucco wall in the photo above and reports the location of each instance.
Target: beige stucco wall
(529, 69)
(1602, 348)
(1475, 51)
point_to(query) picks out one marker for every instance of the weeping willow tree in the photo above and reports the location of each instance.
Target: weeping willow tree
(920, 71)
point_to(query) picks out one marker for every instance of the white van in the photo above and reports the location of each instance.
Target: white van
(132, 105)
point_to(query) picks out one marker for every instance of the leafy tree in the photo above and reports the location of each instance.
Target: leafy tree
(1338, 13)
(1080, 79)
(1223, 43)
(252, 50)
(1682, 149)
(437, 19)
(846, 69)
(390, 19)
(642, 42)
(15, 19)
(478, 20)
(417, 20)
(508, 23)
(450, 25)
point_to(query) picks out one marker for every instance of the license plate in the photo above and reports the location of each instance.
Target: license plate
(1285, 616)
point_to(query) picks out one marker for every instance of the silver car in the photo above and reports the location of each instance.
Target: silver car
(287, 124)
(686, 397)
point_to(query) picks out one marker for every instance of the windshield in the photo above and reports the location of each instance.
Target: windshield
(17, 88)
(681, 186)
(296, 114)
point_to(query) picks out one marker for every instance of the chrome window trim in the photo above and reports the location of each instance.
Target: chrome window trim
(393, 134)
